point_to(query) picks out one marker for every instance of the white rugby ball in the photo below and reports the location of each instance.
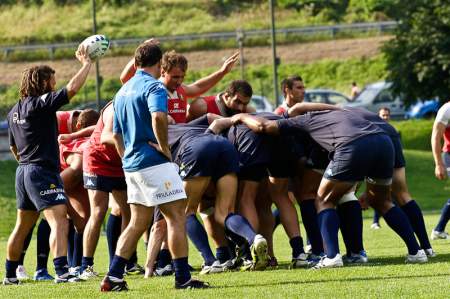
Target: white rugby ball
(97, 45)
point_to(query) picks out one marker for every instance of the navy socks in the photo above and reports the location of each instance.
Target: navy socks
(11, 267)
(297, 246)
(77, 250)
(351, 224)
(117, 267)
(43, 246)
(181, 267)
(445, 216)
(241, 227)
(164, 258)
(198, 236)
(414, 214)
(113, 230)
(399, 223)
(309, 219)
(61, 266)
(329, 227)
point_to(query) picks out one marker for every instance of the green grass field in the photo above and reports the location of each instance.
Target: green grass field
(386, 275)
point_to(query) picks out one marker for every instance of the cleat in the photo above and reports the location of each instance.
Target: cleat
(206, 269)
(75, 271)
(192, 284)
(111, 284)
(42, 275)
(272, 263)
(135, 269)
(430, 252)
(301, 261)
(88, 273)
(418, 258)
(435, 235)
(247, 265)
(166, 271)
(67, 277)
(356, 258)
(259, 253)
(375, 226)
(308, 249)
(313, 259)
(217, 267)
(10, 281)
(21, 273)
(326, 262)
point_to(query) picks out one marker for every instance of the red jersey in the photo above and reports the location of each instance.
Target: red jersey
(76, 146)
(281, 109)
(177, 104)
(65, 119)
(211, 105)
(101, 159)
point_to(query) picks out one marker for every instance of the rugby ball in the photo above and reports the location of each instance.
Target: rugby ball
(96, 45)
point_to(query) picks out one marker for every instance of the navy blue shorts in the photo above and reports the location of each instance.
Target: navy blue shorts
(38, 188)
(370, 156)
(103, 183)
(399, 159)
(253, 173)
(282, 159)
(207, 155)
(318, 158)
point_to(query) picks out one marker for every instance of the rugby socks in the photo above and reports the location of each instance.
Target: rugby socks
(240, 226)
(223, 254)
(11, 267)
(86, 262)
(77, 249)
(43, 246)
(70, 244)
(26, 244)
(276, 216)
(117, 267)
(198, 236)
(181, 267)
(329, 227)
(445, 216)
(376, 217)
(113, 231)
(351, 224)
(297, 246)
(164, 258)
(309, 218)
(61, 266)
(132, 261)
(414, 214)
(399, 223)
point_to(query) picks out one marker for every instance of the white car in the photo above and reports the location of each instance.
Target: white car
(261, 104)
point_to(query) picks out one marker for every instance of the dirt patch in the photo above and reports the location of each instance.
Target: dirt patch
(294, 53)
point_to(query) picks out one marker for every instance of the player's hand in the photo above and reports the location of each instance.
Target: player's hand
(166, 152)
(152, 41)
(229, 63)
(236, 119)
(363, 201)
(170, 120)
(64, 138)
(82, 55)
(440, 172)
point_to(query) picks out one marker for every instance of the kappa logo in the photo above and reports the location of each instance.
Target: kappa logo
(167, 185)
(329, 172)
(60, 197)
(90, 183)
(176, 105)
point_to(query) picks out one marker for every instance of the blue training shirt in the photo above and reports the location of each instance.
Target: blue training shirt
(133, 105)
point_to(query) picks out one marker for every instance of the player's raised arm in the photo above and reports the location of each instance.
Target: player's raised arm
(204, 84)
(78, 80)
(302, 108)
(436, 146)
(130, 69)
(256, 124)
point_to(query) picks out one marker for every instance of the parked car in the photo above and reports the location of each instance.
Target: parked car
(424, 109)
(378, 95)
(327, 96)
(261, 104)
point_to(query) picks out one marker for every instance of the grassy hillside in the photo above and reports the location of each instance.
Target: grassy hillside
(49, 22)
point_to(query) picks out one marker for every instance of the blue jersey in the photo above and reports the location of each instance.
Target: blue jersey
(133, 105)
(33, 128)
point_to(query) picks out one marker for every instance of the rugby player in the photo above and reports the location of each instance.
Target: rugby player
(361, 150)
(33, 142)
(441, 130)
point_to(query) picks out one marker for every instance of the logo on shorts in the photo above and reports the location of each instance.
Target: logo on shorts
(90, 183)
(60, 197)
(329, 172)
(52, 190)
(167, 185)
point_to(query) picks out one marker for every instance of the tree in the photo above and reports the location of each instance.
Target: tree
(418, 58)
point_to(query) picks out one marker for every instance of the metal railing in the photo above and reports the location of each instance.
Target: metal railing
(299, 31)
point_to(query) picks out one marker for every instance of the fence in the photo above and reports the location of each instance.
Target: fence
(237, 35)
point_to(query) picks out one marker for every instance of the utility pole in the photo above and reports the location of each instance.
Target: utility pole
(240, 39)
(275, 59)
(97, 66)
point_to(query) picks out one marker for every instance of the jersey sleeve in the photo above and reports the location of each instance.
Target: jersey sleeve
(12, 142)
(52, 101)
(292, 125)
(443, 114)
(201, 121)
(116, 125)
(157, 99)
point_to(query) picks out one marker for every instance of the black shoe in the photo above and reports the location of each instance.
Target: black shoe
(192, 284)
(134, 269)
(108, 285)
(10, 281)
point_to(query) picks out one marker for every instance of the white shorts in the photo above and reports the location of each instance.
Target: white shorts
(154, 185)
